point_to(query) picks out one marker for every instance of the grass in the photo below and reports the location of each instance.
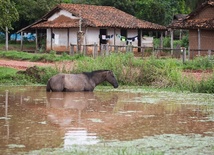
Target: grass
(130, 71)
(42, 57)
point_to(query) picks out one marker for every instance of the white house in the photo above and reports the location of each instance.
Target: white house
(88, 24)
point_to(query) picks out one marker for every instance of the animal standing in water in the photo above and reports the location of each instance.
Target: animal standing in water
(85, 81)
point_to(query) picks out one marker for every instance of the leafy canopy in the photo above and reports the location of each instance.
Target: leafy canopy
(8, 14)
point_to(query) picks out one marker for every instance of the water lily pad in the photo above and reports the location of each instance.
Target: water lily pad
(11, 146)
(95, 120)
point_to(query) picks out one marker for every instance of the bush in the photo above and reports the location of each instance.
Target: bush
(199, 63)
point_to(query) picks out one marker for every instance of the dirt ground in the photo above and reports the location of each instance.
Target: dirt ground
(23, 65)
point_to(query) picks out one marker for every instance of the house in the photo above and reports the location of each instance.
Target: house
(90, 24)
(200, 24)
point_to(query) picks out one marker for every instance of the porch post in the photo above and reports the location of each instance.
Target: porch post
(199, 42)
(22, 40)
(68, 38)
(161, 40)
(51, 39)
(36, 40)
(7, 38)
(171, 32)
(114, 37)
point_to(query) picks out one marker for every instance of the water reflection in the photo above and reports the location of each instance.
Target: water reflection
(77, 101)
(79, 136)
(6, 118)
(32, 118)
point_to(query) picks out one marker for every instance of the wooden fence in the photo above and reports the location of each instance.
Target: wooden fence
(105, 49)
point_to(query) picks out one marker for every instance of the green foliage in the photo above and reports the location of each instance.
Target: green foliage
(122, 64)
(142, 9)
(52, 57)
(160, 73)
(185, 41)
(8, 76)
(8, 13)
(129, 70)
(166, 42)
(199, 63)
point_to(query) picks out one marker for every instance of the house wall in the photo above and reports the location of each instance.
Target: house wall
(61, 42)
(206, 36)
(57, 40)
(91, 36)
(207, 12)
(207, 41)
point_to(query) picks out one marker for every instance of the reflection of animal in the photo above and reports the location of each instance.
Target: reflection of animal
(67, 100)
(64, 108)
(85, 81)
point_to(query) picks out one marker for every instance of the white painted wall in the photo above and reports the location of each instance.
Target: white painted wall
(73, 35)
(92, 35)
(62, 12)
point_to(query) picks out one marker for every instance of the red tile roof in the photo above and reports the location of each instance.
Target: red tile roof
(190, 23)
(60, 22)
(96, 16)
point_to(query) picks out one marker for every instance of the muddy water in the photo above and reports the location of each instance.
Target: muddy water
(31, 119)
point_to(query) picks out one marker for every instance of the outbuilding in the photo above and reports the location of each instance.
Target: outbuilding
(200, 24)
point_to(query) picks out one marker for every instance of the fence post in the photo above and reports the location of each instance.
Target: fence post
(107, 49)
(184, 55)
(209, 54)
(116, 48)
(95, 50)
(188, 53)
(84, 50)
(71, 49)
(128, 48)
(102, 52)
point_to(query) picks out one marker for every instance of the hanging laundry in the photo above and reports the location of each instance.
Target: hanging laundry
(103, 37)
(106, 37)
(132, 39)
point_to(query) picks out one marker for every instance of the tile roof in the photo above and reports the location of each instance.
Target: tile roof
(194, 24)
(60, 22)
(96, 16)
(190, 23)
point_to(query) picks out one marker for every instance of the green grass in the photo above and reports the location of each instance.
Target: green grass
(130, 71)
(44, 57)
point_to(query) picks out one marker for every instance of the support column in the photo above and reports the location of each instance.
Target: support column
(6, 34)
(51, 39)
(171, 33)
(37, 40)
(199, 42)
(161, 40)
(68, 38)
(22, 40)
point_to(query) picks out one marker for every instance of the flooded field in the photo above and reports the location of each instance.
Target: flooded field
(106, 121)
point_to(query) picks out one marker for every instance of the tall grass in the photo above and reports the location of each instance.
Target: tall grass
(129, 70)
(199, 63)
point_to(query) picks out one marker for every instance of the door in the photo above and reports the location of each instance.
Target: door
(103, 33)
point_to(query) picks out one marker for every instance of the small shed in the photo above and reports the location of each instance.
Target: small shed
(200, 24)
(90, 24)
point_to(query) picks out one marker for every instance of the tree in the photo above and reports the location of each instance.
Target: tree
(32, 10)
(8, 13)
